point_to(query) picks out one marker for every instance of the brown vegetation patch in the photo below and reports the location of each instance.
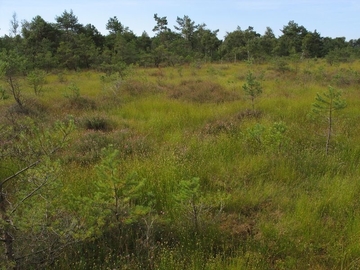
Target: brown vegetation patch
(97, 123)
(87, 148)
(137, 88)
(200, 91)
(157, 73)
(80, 103)
(31, 107)
(249, 114)
(230, 124)
(134, 145)
(346, 77)
(220, 126)
(237, 228)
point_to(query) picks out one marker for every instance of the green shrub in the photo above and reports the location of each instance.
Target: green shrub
(3, 94)
(252, 88)
(36, 79)
(281, 65)
(76, 101)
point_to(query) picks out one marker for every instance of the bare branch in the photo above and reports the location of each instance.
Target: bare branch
(20, 172)
(65, 135)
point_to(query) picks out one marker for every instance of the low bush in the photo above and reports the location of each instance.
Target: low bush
(76, 101)
(3, 94)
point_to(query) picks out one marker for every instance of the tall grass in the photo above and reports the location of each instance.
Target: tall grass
(268, 198)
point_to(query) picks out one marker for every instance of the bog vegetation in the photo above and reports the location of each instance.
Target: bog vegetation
(179, 151)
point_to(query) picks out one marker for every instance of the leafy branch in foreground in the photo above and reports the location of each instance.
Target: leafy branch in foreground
(29, 230)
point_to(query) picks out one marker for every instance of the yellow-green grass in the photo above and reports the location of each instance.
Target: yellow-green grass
(290, 205)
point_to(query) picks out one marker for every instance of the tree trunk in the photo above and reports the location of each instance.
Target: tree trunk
(329, 132)
(15, 90)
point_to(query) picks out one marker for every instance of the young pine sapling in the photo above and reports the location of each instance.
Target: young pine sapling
(252, 88)
(36, 80)
(116, 192)
(327, 104)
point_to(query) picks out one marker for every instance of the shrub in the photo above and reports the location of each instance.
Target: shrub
(77, 101)
(61, 77)
(252, 88)
(281, 65)
(3, 94)
(36, 80)
(337, 56)
(72, 91)
(346, 77)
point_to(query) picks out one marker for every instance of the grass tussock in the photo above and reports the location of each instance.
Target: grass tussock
(98, 123)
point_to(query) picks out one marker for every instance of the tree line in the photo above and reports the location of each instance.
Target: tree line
(68, 44)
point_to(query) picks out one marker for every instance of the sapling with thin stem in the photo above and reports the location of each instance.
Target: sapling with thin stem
(189, 196)
(36, 80)
(252, 88)
(26, 196)
(116, 192)
(12, 66)
(327, 104)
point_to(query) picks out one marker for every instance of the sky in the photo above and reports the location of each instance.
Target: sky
(331, 18)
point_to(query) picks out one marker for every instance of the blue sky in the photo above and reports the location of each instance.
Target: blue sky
(331, 18)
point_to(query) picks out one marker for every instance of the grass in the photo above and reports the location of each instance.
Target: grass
(266, 200)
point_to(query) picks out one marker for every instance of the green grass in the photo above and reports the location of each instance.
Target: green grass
(265, 201)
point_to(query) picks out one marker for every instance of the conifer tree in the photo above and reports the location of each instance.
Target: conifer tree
(327, 104)
(252, 88)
